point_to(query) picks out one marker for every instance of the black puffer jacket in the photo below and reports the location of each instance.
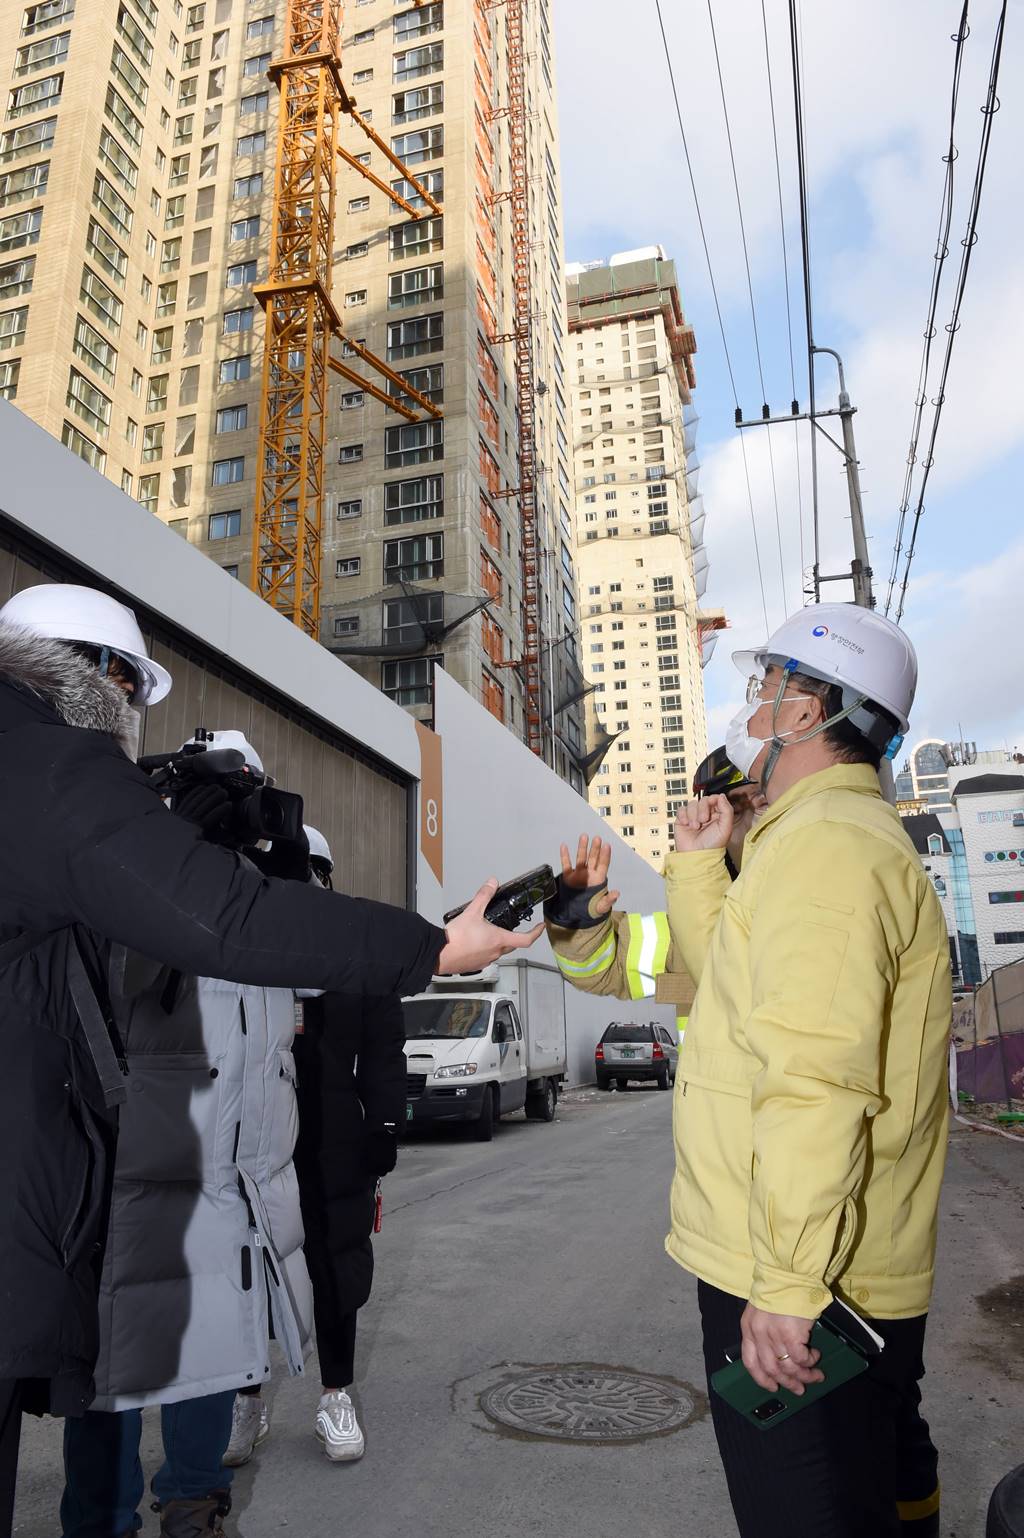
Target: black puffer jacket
(350, 1070)
(90, 855)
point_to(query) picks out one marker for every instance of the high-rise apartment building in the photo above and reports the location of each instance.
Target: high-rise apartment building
(640, 561)
(137, 175)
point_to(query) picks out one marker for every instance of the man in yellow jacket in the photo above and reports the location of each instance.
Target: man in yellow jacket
(810, 1110)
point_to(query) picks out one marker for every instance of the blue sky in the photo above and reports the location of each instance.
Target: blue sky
(877, 81)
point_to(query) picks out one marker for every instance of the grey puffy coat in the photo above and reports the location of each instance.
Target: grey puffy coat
(205, 1239)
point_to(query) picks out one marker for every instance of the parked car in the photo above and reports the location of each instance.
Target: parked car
(632, 1051)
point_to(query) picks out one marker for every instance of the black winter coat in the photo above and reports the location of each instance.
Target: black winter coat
(90, 855)
(350, 1073)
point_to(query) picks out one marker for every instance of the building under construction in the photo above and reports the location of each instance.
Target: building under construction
(291, 277)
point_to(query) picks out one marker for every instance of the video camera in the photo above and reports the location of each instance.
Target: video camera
(257, 810)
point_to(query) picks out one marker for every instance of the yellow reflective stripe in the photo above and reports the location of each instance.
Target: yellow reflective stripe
(681, 1021)
(648, 952)
(916, 1511)
(594, 965)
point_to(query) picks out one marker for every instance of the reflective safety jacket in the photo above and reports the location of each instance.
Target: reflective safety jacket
(629, 955)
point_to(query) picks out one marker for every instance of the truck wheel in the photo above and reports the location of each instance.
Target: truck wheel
(483, 1127)
(603, 1081)
(663, 1078)
(541, 1105)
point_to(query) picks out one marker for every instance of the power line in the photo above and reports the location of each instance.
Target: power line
(714, 292)
(785, 274)
(750, 291)
(970, 240)
(805, 251)
(941, 252)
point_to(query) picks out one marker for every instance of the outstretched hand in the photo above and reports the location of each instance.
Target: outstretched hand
(593, 857)
(473, 943)
(705, 824)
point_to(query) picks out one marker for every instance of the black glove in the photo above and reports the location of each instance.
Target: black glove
(207, 805)
(287, 860)
(379, 1152)
(572, 907)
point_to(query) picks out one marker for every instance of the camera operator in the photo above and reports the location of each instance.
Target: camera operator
(204, 1257)
(89, 857)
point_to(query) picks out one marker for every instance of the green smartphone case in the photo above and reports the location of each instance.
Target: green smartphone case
(765, 1410)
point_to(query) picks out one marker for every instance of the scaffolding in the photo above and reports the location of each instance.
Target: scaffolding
(300, 316)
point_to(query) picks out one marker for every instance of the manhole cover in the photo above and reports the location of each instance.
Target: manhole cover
(584, 1403)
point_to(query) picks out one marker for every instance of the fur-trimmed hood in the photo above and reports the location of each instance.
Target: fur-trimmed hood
(68, 684)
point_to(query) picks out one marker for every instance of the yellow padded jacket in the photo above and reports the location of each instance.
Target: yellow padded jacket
(810, 1108)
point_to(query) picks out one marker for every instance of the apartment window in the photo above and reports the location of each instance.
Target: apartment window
(258, 101)
(404, 621)
(183, 127)
(170, 254)
(361, 248)
(352, 400)
(417, 285)
(234, 369)
(46, 14)
(351, 509)
(107, 252)
(12, 327)
(228, 472)
(410, 682)
(175, 212)
(95, 350)
(346, 624)
(416, 238)
(79, 444)
(37, 96)
(238, 320)
(252, 144)
(263, 26)
(358, 205)
(430, 181)
(414, 501)
(241, 275)
(19, 186)
(412, 63)
(246, 229)
(365, 36)
(46, 54)
(350, 453)
(188, 90)
(34, 137)
(349, 566)
(414, 559)
(413, 443)
(417, 23)
(185, 435)
(89, 403)
(412, 338)
(16, 277)
(422, 101)
(355, 297)
(156, 394)
(419, 145)
(134, 82)
(362, 77)
(427, 381)
(256, 65)
(153, 442)
(224, 525)
(231, 419)
(249, 186)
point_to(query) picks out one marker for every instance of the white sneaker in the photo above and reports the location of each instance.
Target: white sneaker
(338, 1428)
(250, 1425)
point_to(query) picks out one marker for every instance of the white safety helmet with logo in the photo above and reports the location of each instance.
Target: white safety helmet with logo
(83, 616)
(867, 657)
(216, 741)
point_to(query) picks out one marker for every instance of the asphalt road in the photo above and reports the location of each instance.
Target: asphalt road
(545, 1248)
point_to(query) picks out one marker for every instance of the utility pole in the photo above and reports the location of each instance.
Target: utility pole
(860, 567)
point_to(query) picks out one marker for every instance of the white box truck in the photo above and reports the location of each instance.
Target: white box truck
(478, 1047)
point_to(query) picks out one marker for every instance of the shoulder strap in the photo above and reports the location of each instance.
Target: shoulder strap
(98, 1030)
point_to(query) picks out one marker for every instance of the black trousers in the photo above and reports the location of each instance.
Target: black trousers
(339, 1254)
(10, 1436)
(858, 1463)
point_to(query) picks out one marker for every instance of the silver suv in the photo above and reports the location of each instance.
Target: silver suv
(631, 1051)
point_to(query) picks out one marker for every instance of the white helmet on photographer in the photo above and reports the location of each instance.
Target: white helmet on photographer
(216, 741)
(85, 617)
(320, 857)
(867, 657)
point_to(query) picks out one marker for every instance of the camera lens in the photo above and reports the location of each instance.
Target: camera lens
(770, 1408)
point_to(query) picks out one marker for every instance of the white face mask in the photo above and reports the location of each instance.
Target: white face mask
(741, 748)
(131, 734)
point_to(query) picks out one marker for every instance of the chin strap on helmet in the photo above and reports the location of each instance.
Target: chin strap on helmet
(777, 744)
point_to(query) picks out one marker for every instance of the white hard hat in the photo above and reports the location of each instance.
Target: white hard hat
(853, 648)
(215, 741)
(60, 611)
(319, 848)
